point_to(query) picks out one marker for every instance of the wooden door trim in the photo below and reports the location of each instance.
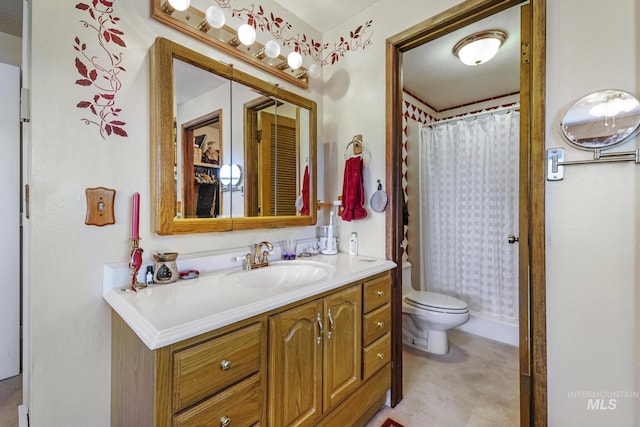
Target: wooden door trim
(434, 27)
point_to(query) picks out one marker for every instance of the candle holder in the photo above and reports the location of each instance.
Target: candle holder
(135, 264)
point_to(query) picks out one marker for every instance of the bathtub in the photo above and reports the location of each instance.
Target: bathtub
(485, 326)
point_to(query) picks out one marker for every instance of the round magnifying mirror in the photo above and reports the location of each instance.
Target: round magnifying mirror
(230, 174)
(601, 120)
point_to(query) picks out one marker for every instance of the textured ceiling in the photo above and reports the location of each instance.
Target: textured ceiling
(324, 15)
(431, 71)
(436, 75)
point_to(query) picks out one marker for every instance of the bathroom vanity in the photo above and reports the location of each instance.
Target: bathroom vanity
(276, 355)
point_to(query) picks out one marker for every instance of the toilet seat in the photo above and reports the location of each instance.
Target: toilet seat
(436, 302)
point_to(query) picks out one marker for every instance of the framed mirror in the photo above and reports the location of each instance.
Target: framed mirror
(601, 120)
(208, 118)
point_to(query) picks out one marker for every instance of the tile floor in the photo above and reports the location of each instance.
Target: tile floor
(10, 399)
(475, 385)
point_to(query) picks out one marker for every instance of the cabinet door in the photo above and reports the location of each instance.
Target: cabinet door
(342, 353)
(295, 365)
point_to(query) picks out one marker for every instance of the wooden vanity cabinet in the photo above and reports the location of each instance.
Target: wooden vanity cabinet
(376, 336)
(322, 361)
(314, 357)
(214, 379)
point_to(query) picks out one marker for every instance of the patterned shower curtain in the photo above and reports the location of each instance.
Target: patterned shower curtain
(469, 207)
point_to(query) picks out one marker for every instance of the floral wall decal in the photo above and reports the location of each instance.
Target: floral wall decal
(100, 73)
(322, 53)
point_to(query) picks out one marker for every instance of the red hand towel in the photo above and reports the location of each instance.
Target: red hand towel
(353, 190)
(305, 192)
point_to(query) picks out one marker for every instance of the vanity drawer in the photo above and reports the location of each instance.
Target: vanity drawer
(376, 292)
(375, 324)
(376, 356)
(239, 406)
(206, 368)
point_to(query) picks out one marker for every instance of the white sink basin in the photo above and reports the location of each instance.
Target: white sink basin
(281, 274)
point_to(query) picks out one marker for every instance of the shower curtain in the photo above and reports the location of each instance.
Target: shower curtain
(469, 207)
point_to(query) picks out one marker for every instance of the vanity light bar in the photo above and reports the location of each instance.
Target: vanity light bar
(193, 22)
(556, 162)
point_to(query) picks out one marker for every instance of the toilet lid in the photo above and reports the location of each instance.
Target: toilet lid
(435, 301)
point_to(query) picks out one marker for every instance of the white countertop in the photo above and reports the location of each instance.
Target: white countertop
(164, 314)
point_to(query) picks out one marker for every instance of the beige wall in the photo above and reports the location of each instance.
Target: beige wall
(69, 321)
(591, 223)
(591, 216)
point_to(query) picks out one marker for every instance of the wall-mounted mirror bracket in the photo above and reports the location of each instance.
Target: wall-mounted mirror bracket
(556, 161)
(232, 188)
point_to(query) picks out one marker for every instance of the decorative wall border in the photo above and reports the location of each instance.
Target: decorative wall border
(321, 53)
(101, 72)
(410, 111)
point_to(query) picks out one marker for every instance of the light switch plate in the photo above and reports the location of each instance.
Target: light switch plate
(100, 202)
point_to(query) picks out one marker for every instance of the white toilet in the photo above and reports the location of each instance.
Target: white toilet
(427, 316)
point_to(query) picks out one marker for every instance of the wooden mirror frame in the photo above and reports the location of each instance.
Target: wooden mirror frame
(163, 192)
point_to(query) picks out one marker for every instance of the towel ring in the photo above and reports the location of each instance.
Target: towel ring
(358, 146)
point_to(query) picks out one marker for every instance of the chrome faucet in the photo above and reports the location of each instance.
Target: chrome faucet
(257, 258)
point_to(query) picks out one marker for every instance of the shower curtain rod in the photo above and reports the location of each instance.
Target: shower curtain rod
(479, 113)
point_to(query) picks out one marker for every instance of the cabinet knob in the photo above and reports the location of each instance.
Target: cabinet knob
(380, 324)
(225, 421)
(225, 365)
(380, 293)
(380, 355)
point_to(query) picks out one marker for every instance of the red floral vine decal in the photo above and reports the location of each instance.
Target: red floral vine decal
(101, 72)
(322, 53)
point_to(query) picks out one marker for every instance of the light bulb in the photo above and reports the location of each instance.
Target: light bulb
(180, 4)
(214, 16)
(294, 59)
(314, 71)
(479, 51)
(246, 34)
(272, 49)
(480, 47)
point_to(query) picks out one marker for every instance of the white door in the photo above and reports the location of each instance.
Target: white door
(10, 220)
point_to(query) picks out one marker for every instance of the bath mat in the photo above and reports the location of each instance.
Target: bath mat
(391, 423)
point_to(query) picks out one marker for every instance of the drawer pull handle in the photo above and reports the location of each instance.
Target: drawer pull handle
(380, 324)
(330, 324)
(380, 355)
(225, 421)
(225, 365)
(380, 293)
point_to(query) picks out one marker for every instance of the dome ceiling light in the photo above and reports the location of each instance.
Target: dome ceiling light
(480, 47)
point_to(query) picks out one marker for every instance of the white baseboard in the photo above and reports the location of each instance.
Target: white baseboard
(493, 329)
(23, 419)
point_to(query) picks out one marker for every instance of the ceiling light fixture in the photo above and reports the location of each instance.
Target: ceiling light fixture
(480, 47)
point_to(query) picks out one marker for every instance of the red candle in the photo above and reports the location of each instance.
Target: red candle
(135, 217)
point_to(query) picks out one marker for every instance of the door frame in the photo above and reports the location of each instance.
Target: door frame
(533, 352)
